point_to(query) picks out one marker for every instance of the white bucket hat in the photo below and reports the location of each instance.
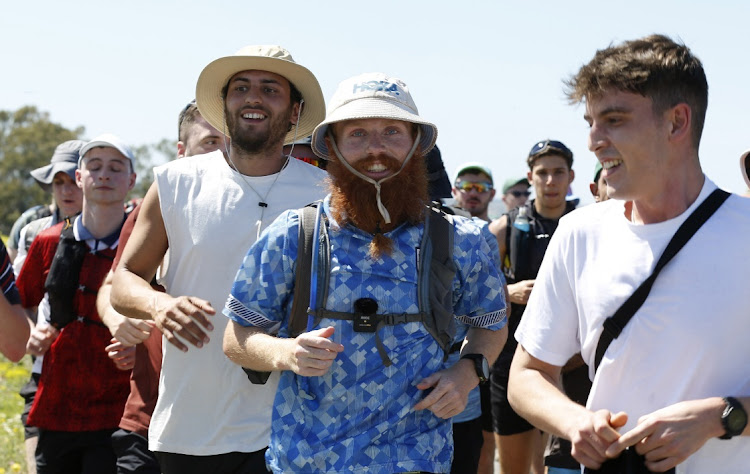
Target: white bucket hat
(273, 59)
(745, 167)
(372, 95)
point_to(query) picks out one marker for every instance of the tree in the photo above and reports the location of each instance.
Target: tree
(166, 150)
(27, 140)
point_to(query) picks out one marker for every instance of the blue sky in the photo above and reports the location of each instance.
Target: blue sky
(488, 73)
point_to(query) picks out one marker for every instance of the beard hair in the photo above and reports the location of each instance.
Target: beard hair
(353, 200)
(257, 142)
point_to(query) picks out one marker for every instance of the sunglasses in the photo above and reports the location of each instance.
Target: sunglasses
(467, 186)
(518, 194)
(547, 146)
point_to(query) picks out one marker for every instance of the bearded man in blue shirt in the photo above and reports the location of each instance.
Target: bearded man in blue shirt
(367, 386)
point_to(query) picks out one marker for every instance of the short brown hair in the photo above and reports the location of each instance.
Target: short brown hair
(187, 117)
(655, 67)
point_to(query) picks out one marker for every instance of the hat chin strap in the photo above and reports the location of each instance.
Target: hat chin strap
(381, 208)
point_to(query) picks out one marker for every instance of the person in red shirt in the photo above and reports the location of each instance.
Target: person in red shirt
(81, 394)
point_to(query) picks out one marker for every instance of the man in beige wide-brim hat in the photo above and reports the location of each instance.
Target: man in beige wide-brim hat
(208, 209)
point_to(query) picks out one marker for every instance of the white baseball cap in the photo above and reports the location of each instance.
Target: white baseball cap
(107, 140)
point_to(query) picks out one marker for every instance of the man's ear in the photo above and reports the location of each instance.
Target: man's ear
(180, 149)
(680, 119)
(572, 176)
(593, 188)
(79, 183)
(296, 112)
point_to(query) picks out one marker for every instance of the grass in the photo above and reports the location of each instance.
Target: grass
(12, 378)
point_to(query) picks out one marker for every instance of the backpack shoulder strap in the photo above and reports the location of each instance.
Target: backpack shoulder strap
(302, 278)
(436, 274)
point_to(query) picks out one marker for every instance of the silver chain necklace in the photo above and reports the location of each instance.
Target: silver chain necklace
(262, 199)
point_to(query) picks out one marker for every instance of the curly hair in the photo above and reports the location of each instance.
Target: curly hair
(655, 67)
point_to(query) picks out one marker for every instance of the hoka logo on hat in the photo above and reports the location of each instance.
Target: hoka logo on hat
(376, 86)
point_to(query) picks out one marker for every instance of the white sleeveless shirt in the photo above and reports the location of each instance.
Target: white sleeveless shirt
(206, 404)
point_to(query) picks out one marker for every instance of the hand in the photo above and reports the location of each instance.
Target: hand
(185, 316)
(128, 331)
(450, 389)
(520, 292)
(314, 352)
(668, 436)
(593, 435)
(40, 339)
(122, 356)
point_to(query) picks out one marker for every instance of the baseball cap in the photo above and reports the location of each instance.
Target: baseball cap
(472, 167)
(65, 159)
(547, 147)
(269, 58)
(372, 95)
(107, 140)
(509, 183)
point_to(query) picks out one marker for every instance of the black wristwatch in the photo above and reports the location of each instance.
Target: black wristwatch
(480, 365)
(734, 418)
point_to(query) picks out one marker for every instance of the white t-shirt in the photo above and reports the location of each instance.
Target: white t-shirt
(688, 341)
(206, 404)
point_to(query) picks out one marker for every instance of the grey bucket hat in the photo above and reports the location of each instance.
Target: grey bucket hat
(64, 159)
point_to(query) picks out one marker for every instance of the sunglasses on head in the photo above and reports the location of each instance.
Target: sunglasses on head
(467, 186)
(547, 146)
(518, 194)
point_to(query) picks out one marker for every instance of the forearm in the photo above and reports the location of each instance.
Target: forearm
(252, 348)
(104, 308)
(15, 330)
(133, 296)
(536, 395)
(486, 342)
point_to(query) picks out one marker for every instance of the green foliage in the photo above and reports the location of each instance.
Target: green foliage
(164, 151)
(27, 140)
(12, 378)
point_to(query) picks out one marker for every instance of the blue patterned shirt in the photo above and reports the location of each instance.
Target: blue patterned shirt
(358, 417)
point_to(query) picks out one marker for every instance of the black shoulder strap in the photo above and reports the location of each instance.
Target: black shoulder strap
(301, 301)
(63, 276)
(298, 315)
(614, 325)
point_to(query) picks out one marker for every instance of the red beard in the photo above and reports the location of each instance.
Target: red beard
(353, 199)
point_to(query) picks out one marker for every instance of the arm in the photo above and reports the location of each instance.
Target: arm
(534, 392)
(520, 291)
(309, 354)
(133, 296)
(127, 331)
(668, 436)
(15, 330)
(451, 387)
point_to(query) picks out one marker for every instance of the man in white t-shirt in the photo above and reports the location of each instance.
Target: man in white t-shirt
(208, 209)
(676, 380)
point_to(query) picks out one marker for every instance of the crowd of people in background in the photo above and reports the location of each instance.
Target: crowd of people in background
(305, 289)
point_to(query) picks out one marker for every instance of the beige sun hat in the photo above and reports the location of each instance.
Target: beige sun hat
(745, 167)
(273, 59)
(372, 95)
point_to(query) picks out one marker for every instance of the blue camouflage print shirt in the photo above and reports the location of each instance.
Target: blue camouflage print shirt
(358, 417)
